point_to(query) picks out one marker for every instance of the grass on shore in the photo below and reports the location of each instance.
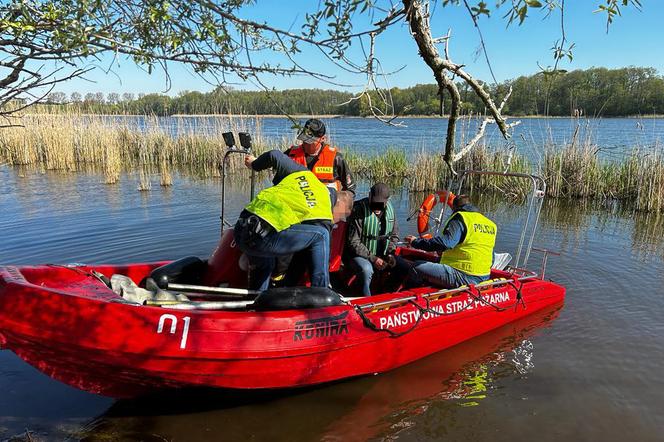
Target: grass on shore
(76, 142)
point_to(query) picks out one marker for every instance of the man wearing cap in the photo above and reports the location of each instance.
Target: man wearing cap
(319, 157)
(372, 236)
(466, 244)
(295, 214)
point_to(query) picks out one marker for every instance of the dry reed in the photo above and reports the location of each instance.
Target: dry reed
(117, 145)
(70, 142)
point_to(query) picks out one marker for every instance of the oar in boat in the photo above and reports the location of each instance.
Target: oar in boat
(199, 305)
(212, 290)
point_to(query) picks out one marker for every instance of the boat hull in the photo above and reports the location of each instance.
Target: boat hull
(78, 333)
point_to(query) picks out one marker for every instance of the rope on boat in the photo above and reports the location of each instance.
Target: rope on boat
(74, 268)
(477, 297)
(92, 274)
(519, 295)
(367, 322)
(428, 308)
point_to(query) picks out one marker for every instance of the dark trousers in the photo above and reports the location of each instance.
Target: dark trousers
(263, 250)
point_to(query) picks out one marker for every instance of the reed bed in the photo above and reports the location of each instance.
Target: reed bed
(74, 142)
(150, 151)
(427, 172)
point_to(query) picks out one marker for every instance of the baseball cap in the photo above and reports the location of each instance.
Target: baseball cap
(379, 193)
(312, 131)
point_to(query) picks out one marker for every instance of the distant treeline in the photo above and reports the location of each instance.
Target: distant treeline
(591, 92)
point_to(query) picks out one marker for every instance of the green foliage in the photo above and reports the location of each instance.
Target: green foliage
(217, 38)
(612, 9)
(591, 92)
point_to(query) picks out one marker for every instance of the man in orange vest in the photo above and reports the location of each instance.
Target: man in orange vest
(323, 160)
(330, 168)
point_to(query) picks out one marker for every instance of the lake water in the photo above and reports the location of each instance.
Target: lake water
(613, 136)
(591, 371)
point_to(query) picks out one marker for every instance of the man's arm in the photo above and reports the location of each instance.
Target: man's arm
(342, 173)
(281, 163)
(393, 238)
(449, 239)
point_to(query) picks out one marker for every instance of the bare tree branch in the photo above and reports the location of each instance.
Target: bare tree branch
(480, 132)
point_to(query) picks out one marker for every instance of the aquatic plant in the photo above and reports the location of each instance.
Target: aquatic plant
(124, 145)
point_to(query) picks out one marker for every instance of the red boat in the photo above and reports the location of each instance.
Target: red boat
(67, 322)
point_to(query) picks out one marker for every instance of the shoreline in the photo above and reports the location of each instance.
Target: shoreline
(413, 117)
(349, 117)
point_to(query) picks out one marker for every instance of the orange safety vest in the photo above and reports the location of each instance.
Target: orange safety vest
(324, 166)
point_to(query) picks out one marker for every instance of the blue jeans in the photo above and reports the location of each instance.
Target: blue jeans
(364, 270)
(263, 251)
(442, 275)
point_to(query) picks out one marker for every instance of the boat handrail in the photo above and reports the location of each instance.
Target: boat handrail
(524, 275)
(229, 151)
(536, 197)
(545, 257)
(373, 305)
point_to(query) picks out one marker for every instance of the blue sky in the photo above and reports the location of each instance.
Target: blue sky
(635, 39)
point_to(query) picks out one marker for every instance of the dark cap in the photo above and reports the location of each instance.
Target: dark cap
(379, 193)
(313, 129)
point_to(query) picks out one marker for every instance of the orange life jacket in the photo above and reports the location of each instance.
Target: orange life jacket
(323, 167)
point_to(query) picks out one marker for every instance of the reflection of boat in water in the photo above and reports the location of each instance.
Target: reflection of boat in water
(459, 374)
(362, 409)
(67, 322)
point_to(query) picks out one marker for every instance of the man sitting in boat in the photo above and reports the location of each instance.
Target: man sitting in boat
(372, 236)
(466, 244)
(295, 214)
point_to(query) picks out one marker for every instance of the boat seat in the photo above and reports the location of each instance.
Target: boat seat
(501, 261)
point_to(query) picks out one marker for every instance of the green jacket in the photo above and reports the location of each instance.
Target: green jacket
(368, 236)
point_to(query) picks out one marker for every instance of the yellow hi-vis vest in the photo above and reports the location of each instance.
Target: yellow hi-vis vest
(298, 197)
(474, 255)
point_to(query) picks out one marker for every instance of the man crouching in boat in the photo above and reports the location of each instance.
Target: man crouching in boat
(295, 214)
(466, 244)
(372, 236)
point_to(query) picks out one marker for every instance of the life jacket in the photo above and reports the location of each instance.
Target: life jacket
(299, 197)
(371, 230)
(474, 255)
(323, 167)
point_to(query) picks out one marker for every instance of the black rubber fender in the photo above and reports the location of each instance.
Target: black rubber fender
(296, 298)
(188, 270)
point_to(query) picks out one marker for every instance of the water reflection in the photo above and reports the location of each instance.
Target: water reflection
(647, 237)
(600, 363)
(361, 409)
(613, 134)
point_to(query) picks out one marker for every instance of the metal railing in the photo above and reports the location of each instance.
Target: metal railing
(535, 199)
(530, 275)
(224, 162)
